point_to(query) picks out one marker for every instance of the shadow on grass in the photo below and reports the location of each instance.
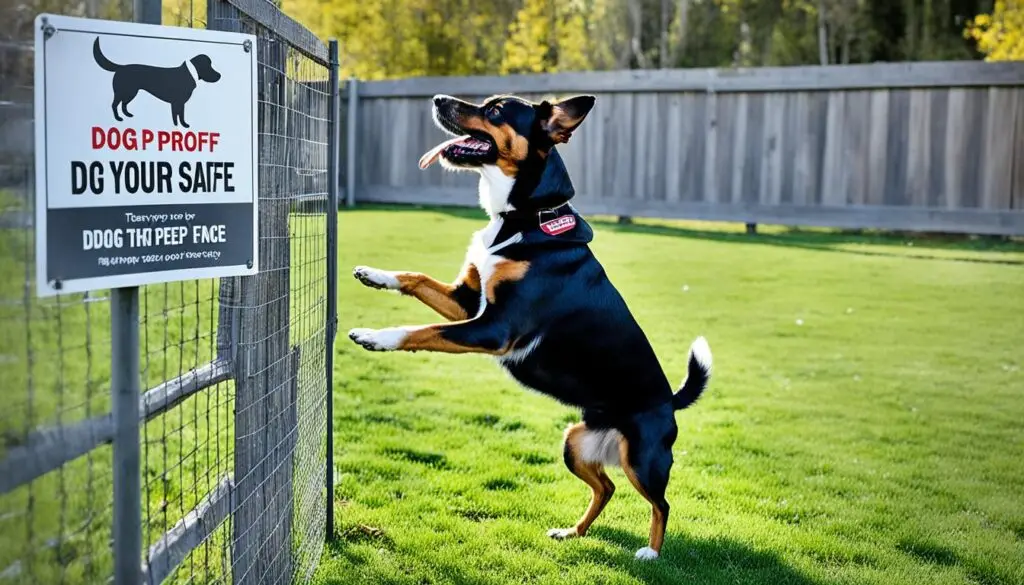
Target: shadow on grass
(824, 240)
(685, 559)
(979, 569)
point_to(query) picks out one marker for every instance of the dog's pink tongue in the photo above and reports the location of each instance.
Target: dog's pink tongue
(432, 155)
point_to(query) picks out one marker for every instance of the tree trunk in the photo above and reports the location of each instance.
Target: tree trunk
(636, 18)
(822, 34)
(926, 31)
(766, 49)
(666, 23)
(552, 56)
(911, 30)
(683, 22)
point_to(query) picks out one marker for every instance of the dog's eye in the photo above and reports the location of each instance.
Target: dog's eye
(493, 113)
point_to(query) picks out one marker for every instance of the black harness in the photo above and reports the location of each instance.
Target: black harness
(543, 215)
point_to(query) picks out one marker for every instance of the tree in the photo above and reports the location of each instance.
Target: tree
(401, 38)
(547, 36)
(1000, 34)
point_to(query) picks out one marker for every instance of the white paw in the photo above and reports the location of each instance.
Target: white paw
(375, 278)
(562, 533)
(646, 554)
(378, 339)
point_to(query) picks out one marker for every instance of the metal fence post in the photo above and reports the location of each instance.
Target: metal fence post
(262, 547)
(350, 153)
(334, 141)
(124, 395)
(148, 11)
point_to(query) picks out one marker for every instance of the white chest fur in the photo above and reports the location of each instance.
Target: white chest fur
(495, 187)
(481, 256)
(484, 254)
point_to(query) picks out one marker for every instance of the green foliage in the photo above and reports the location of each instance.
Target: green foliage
(547, 36)
(187, 13)
(402, 38)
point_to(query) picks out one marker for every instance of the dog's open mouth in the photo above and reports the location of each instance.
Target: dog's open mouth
(461, 150)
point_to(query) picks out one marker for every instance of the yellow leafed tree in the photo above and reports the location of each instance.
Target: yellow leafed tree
(1000, 35)
(547, 35)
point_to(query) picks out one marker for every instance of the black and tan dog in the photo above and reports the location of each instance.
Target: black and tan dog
(532, 294)
(173, 85)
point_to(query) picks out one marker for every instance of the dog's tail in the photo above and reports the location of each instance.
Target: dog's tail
(698, 372)
(101, 60)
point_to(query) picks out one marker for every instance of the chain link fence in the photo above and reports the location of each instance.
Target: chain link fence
(235, 372)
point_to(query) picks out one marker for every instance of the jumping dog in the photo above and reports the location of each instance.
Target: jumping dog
(531, 293)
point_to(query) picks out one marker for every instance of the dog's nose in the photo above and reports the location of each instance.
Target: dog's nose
(440, 99)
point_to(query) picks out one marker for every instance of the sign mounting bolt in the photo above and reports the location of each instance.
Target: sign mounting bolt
(247, 46)
(56, 284)
(248, 264)
(49, 30)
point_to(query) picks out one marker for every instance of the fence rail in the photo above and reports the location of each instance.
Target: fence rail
(229, 436)
(916, 146)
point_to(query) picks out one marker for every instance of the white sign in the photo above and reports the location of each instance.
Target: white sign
(146, 154)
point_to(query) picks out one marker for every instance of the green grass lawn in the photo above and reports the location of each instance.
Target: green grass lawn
(865, 423)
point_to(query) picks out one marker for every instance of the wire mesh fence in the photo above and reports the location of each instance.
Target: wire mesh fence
(235, 372)
(55, 474)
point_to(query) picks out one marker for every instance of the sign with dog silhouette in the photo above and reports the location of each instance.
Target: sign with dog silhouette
(146, 154)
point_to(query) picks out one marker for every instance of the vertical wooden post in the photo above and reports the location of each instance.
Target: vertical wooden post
(352, 136)
(254, 330)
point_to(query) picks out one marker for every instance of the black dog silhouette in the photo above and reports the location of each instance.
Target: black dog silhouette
(173, 85)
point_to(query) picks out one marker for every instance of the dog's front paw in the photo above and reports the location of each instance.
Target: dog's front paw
(563, 533)
(378, 339)
(375, 278)
(646, 554)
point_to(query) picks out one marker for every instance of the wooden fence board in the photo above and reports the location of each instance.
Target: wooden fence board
(1017, 199)
(833, 162)
(918, 147)
(711, 148)
(896, 149)
(771, 148)
(814, 138)
(856, 147)
(998, 161)
(752, 145)
(939, 116)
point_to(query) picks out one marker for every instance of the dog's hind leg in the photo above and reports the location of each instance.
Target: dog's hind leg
(113, 107)
(455, 301)
(592, 473)
(647, 464)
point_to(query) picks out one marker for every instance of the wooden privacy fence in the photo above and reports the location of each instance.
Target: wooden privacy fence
(917, 146)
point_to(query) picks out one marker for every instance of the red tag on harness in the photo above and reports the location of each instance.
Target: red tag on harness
(559, 225)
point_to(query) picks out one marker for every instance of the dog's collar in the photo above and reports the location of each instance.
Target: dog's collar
(192, 71)
(555, 226)
(537, 216)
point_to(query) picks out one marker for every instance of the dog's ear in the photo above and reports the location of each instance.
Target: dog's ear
(561, 118)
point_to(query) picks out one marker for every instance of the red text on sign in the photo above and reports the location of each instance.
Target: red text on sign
(114, 138)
